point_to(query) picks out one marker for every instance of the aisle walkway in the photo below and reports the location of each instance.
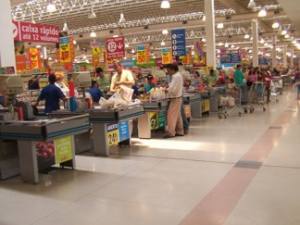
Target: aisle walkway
(239, 171)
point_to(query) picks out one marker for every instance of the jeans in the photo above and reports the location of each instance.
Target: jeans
(185, 121)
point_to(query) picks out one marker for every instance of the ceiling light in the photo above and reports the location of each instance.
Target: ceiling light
(232, 46)
(226, 45)
(126, 45)
(275, 25)
(220, 44)
(294, 42)
(74, 42)
(220, 25)
(294, 56)
(262, 41)
(287, 36)
(165, 4)
(133, 51)
(204, 18)
(93, 34)
(251, 4)
(50, 59)
(38, 46)
(193, 52)
(122, 18)
(203, 39)
(165, 32)
(262, 12)
(115, 36)
(246, 36)
(51, 7)
(283, 32)
(289, 54)
(65, 27)
(92, 15)
(163, 43)
(278, 49)
(266, 44)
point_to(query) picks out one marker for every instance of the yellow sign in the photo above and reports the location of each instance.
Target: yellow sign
(65, 50)
(63, 149)
(166, 56)
(112, 137)
(96, 53)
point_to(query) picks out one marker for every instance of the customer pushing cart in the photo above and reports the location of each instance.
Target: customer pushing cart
(256, 96)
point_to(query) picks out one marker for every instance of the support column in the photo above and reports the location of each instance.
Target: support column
(255, 42)
(292, 58)
(274, 60)
(7, 48)
(284, 57)
(209, 6)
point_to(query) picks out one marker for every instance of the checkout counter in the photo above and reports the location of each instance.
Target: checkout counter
(153, 119)
(112, 127)
(44, 143)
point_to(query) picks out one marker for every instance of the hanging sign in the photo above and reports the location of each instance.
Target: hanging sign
(141, 57)
(200, 55)
(65, 50)
(115, 48)
(166, 56)
(178, 42)
(230, 56)
(34, 58)
(33, 32)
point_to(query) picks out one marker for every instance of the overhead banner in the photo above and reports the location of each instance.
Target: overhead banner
(65, 50)
(166, 56)
(115, 48)
(200, 54)
(178, 42)
(96, 53)
(230, 56)
(33, 32)
(142, 55)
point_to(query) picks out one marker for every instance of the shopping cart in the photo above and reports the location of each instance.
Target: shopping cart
(276, 88)
(256, 96)
(231, 103)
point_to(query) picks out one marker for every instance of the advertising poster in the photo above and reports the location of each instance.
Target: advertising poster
(112, 135)
(21, 63)
(141, 57)
(166, 56)
(33, 32)
(200, 54)
(124, 131)
(63, 149)
(178, 42)
(65, 50)
(34, 58)
(115, 48)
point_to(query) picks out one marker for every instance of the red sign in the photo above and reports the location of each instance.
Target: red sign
(30, 32)
(115, 48)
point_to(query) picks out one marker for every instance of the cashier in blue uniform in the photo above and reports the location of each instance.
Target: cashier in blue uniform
(52, 95)
(95, 92)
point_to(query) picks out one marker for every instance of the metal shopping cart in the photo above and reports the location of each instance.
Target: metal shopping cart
(276, 88)
(256, 96)
(231, 103)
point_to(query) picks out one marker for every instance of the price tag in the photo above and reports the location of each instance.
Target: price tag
(112, 135)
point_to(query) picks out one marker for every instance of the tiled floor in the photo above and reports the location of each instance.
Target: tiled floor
(171, 182)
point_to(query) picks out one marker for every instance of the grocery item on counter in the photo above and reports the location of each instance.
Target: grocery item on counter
(157, 94)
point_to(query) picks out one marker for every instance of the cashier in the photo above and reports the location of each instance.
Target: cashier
(121, 77)
(95, 92)
(52, 95)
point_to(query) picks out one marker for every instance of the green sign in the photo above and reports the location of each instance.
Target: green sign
(63, 149)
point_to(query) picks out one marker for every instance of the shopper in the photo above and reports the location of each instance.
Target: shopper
(95, 92)
(33, 83)
(52, 95)
(121, 77)
(103, 81)
(60, 83)
(175, 92)
(240, 83)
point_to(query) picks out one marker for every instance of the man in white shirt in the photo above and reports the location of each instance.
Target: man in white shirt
(121, 77)
(175, 93)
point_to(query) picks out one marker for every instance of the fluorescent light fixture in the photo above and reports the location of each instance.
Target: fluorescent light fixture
(275, 25)
(74, 42)
(165, 32)
(220, 25)
(133, 51)
(115, 36)
(287, 36)
(165, 4)
(51, 8)
(38, 46)
(204, 18)
(65, 27)
(163, 43)
(93, 34)
(126, 45)
(220, 44)
(122, 18)
(203, 39)
(283, 32)
(251, 4)
(92, 15)
(226, 45)
(246, 36)
(262, 12)
(232, 46)
(262, 41)
(278, 49)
